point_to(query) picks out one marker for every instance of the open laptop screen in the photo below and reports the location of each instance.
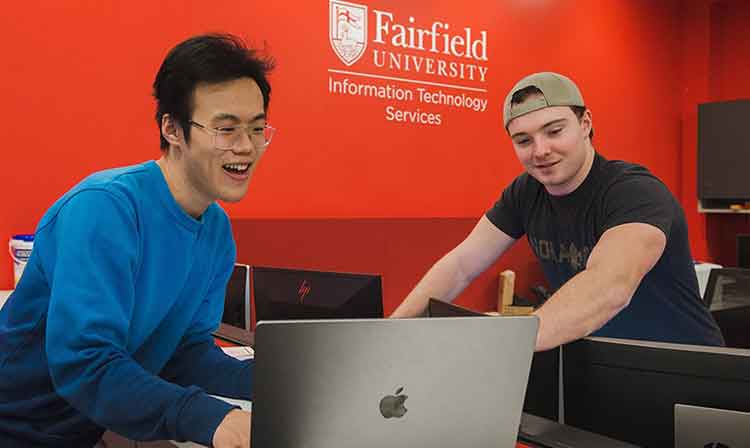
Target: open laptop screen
(285, 294)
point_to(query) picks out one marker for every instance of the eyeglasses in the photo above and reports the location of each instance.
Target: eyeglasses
(227, 137)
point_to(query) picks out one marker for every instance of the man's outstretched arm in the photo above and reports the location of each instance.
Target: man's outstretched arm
(457, 269)
(618, 262)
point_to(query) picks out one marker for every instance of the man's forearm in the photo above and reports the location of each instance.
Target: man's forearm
(197, 364)
(444, 281)
(583, 305)
(615, 268)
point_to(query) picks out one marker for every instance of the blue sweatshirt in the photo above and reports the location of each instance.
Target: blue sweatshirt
(110, 325)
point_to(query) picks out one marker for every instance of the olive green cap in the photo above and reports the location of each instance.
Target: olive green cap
(557, 90)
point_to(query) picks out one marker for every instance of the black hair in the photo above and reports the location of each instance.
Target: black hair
(207, 58)
(521, 95)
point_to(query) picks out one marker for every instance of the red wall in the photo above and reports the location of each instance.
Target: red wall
(76, 97)
(716, 67)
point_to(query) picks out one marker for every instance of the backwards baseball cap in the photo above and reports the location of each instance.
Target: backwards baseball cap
(557, 90)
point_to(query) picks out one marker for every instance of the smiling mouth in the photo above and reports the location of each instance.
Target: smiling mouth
(546, 165)
(237, 168)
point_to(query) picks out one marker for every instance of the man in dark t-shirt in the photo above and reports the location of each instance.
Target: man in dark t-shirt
(611, 238)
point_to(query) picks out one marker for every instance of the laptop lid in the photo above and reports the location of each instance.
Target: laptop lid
(441, 382)
(700, 427)
(543, 391)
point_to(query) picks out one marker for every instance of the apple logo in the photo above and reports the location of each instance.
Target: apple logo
(393, 405)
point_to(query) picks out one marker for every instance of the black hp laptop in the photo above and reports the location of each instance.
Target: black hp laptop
(285, 294)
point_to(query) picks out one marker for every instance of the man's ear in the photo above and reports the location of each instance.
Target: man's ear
(170, 130)
(587, 121)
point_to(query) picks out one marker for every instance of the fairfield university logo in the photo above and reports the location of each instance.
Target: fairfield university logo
(407, 46)
(348, 30)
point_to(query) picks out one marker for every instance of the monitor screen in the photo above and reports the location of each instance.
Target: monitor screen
(285, 294)
(235, 321)
(627, 389)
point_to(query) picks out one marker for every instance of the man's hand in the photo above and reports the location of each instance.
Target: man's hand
(233, 431)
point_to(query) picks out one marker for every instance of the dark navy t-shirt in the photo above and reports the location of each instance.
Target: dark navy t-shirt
(563, 230)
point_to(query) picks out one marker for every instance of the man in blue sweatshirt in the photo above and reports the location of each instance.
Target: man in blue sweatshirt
(110, 326)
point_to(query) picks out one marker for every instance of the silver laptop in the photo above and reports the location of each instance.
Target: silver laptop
(440, 382)
(700, 427)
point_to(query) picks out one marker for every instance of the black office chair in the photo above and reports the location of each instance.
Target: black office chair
(728, 297)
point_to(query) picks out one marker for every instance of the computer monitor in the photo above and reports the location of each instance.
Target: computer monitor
(286, 294)
(743, 251)
(439, 308)
(728, 297)
(727, 287)
(627, 389)
(235, 323)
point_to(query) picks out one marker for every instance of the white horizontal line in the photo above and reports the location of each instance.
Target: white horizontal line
(392, 78)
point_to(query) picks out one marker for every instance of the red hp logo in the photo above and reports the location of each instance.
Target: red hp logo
(347, 30)
(304, 290)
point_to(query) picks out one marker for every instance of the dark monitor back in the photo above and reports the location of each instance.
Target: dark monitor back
(286, 294)
(727, 287)
(723, 152)
(543, 389)
(627, 389)
(235, 321)
(743, 251)
(439, 308)
(728, 296)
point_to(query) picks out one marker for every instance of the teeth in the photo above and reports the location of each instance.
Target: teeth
(237, 166)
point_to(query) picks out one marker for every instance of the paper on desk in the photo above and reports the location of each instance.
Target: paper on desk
(240, 353)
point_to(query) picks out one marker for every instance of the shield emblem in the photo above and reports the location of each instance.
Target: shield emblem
(347, 30)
